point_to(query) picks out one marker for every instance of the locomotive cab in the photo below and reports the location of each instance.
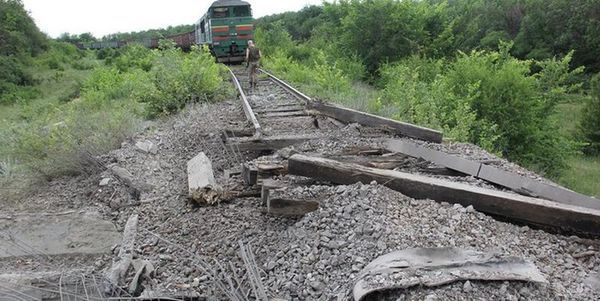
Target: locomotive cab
(226, 29)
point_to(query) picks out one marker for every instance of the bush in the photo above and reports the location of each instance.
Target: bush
(179, 79)
(487, 98)
(590, 122)
(134, 56)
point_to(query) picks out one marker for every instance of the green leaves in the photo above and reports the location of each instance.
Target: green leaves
(486, 98)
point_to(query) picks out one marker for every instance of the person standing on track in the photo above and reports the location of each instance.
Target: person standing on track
(253, 56)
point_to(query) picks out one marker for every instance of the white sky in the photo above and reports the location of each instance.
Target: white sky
(103, 17)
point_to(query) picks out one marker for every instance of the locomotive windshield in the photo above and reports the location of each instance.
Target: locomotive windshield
(241, 11)
(220, 12)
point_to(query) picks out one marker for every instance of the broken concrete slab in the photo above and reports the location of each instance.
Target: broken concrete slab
(116, 274)
(202, 186)
(440, 266)
(60, 234)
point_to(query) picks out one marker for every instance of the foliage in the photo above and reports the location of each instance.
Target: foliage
(59, 55)
(381, 31)
(590, 122)
(147, 34)
(18, 33)
(487, 98)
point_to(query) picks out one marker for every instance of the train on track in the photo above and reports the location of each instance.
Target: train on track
(225, 28)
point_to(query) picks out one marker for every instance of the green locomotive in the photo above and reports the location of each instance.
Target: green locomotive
(226, 29)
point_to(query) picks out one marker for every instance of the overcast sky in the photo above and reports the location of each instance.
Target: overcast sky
(101, 17)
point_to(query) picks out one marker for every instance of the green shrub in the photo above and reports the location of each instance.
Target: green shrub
(487, 98)
(134, 56)
(590, 122)
(179, 79)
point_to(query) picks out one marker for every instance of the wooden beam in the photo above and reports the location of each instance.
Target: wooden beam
(516, 207)
(268, 143)
(513, 181)
(352, 116)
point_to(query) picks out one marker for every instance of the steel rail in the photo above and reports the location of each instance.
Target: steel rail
(287, 87)
(246, 105)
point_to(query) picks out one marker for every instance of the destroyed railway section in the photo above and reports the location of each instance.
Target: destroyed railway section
(277, 196)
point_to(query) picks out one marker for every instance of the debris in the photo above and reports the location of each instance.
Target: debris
(440, 266)
(116, 274)
(142, 268)
(201, 181)
(127, 178)
(105, 182)
(147, 147)
(522, 208)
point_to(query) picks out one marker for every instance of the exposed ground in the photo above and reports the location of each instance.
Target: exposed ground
(314, 257)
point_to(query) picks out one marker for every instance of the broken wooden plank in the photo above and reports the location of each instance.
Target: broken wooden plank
(352, 116)
(268, 143)
(202, 186)
(252, 173)
(231, 172)
(288, 207)
(249, 174)
(516, 207)
(513, 181)
(246, 106)
(278, 203)
(267, 186)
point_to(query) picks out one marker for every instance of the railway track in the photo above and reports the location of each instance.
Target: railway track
(274, 106)
(282, 116)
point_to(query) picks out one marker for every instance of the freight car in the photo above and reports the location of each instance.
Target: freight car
(226, 29)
